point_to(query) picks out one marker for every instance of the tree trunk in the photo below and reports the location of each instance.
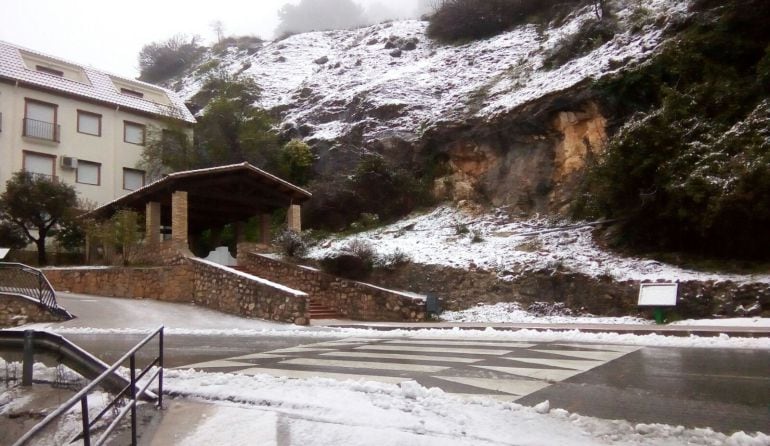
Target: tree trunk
(42, 260)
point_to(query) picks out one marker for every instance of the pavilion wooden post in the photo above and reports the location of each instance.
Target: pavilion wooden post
(264, 229)
(294, 218)
(179, 218)
(152, 223)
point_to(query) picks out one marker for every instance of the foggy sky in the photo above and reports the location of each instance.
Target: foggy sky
(109, 35)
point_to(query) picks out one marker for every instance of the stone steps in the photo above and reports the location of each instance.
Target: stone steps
(316, 309)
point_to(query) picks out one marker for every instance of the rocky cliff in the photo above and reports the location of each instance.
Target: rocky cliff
(506, 124)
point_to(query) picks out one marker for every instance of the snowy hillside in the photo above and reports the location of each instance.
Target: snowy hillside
(494, 242)
(392, 80)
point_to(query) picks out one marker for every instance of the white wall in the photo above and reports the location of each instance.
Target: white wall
(109, 149)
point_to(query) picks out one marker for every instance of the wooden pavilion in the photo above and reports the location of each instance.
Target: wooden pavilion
(193, 201)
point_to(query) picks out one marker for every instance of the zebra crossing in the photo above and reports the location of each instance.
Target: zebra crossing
(501, 370)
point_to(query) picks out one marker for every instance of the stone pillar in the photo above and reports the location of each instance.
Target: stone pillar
(152, 223)
(264, 229)
(179, 218)
(294, 218)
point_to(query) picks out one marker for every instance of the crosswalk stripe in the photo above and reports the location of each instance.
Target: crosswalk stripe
(543, 374)
(258, 356)
(365, 365)
(595, 355)
(574, 364)
(302, 349)
(451, 343)
(397, 356)
(469, 351)
(304, 374)
(608, 347)
(216, 364)
(518, 387)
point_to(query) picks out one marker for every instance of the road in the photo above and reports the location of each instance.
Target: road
(726, 389)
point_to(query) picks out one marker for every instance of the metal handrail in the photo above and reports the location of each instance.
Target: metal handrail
(19, 278)
(32, 128)
(82, 396)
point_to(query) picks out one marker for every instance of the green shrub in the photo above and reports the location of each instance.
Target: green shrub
(160, 61)
(690, 171)
(592, 34)
(460, 20)
(355, 261)
(292, 243)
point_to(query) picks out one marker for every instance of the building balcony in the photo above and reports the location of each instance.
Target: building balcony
(47, 131)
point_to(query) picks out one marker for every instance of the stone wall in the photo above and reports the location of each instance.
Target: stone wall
(351, 299)
(459, 289)
(166, 283)
(230, 292)
(18, 310)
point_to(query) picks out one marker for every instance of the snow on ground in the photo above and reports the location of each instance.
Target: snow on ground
(512, 247)
(727, 322)
(488, 334)
(320, 78)
(97, 312)
(322, 412)
(513, 313)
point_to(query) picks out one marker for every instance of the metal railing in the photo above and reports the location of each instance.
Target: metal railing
(130, 392)
(17, 278)
(33, 128)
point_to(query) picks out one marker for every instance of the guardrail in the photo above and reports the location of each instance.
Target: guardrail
(18, 278)
(130, 391)
(32, 128)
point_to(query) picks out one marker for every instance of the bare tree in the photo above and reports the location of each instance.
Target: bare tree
(219, 29)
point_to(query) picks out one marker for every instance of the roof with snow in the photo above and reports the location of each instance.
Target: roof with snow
(36, 70)
(216, 196)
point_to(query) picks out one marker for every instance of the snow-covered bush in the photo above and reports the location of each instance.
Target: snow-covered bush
(292, 243)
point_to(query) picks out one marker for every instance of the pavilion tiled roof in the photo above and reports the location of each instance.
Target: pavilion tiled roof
(101, 88)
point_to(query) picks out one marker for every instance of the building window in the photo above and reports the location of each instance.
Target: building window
(40, 164)
(134, 93)
(48, 70)
(133, 179)
(89, 123)
(89, 172)
(133, 133)
(40, 120)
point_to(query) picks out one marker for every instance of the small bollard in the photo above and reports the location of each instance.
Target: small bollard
(29, 358)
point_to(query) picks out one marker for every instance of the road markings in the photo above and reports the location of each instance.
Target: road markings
(595, 355)
(608, 347)
(519, 387)
(304, 374)
(216, 364)
(467, 351)
(463, 343)
(542, 374)
(302, 349)
(366, 365)
(397, 356)
(574, 364)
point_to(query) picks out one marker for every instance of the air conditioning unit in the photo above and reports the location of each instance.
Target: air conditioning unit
(68, 162)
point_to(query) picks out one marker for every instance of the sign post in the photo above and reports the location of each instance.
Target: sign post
(658, 295)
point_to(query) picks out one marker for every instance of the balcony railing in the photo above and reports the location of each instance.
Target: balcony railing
(33, 128)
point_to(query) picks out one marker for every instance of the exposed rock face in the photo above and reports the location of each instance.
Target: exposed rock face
(528, 167)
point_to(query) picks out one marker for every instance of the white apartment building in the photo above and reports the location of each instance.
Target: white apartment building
(84, 127)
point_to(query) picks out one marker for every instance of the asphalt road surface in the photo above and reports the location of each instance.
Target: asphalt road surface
(725, 389)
